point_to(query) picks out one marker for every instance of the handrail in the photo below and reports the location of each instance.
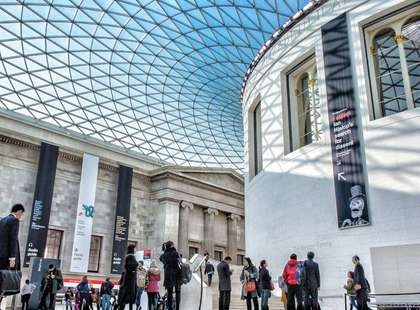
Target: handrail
(407, 305)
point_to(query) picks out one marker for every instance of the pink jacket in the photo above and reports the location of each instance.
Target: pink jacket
(154, 278)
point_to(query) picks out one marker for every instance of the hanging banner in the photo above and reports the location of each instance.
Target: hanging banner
(85, 214)
(41, 206)
(122, 219)
(350, 190)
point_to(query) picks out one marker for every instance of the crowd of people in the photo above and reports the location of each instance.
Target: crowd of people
(299, 282)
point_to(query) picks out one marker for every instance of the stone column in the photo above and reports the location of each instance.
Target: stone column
(233, 229)
(209, 227)
(184, 215)
(169, 220)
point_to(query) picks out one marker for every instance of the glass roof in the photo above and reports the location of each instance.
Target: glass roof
(162, 78)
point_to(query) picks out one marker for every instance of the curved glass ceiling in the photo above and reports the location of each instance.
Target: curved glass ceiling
(162, 78)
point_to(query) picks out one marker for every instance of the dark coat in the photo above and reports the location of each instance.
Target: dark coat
(359, 278)
(265, 279)
(311, 275)
(209, 268)
(54, 284)
(224, 273)
(171, 259)
(9, 240)
(128, 287)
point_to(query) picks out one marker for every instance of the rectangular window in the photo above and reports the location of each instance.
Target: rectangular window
(218, 255)
(53, 245)
(255, 140)
(95, 253)
(192, 251)
(304, 109)
(240, 259)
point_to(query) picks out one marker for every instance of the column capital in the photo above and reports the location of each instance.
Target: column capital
(211, 211)
(234, 217)
(186, 204)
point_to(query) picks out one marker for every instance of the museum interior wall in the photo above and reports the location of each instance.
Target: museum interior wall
(291, 181)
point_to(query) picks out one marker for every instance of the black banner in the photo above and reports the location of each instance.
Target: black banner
(41, 207)
(122, 219)
(350, 191)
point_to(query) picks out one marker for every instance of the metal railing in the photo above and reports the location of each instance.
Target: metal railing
(395, 301)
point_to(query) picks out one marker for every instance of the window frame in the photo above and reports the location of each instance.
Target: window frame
(60, 244)
(293, 78)
(255, 159)
(394, 21)
(99, 254)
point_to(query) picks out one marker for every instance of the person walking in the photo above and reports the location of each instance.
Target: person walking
(152, 288)
(209, 269)
(360, 284)
(265, 284)
(311, 282)
(68, 298)
(249, 279)
(26, 292)
(291, 276)
(172, 274)
(141, 283)
(351, 292)
(83, 294)
(106, 293)
(128, 281)
(50, 284)
(225, 284)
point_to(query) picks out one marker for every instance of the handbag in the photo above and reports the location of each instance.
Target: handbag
(251, 287)
(10, 282)
(271, 286)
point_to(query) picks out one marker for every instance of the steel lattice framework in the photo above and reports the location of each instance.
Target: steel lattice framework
(162, 78)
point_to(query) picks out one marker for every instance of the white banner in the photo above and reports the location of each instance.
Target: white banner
(85, 213)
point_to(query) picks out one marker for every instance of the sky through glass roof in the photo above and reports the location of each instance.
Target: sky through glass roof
(162, 78)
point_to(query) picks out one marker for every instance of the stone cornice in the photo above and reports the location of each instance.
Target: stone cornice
(169, 173)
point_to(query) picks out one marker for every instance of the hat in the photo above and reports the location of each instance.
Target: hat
(356, 191)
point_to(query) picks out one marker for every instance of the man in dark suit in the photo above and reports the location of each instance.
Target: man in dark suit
(9, 239)
(311, 282)
(225, 284)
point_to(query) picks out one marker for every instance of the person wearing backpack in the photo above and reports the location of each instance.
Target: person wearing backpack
(141, 283)
(311, 282)
(172, 266)
(292, 274)
(106, 293)
(83, 294)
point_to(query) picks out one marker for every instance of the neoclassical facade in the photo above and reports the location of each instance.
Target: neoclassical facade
(200, 209)
(332, 128)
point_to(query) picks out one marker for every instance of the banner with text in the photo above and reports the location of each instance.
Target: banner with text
(122, 219)
(350, 191)
(41, 206)
(85, 214)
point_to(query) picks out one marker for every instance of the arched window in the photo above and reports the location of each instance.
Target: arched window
(395, 59)
(388, 73)
(411, 33)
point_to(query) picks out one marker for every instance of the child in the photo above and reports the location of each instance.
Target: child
(351, 292)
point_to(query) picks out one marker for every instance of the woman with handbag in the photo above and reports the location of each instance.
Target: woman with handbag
(266, 285)
(249, 279)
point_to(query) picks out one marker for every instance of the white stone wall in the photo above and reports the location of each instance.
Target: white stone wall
(290, 206)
